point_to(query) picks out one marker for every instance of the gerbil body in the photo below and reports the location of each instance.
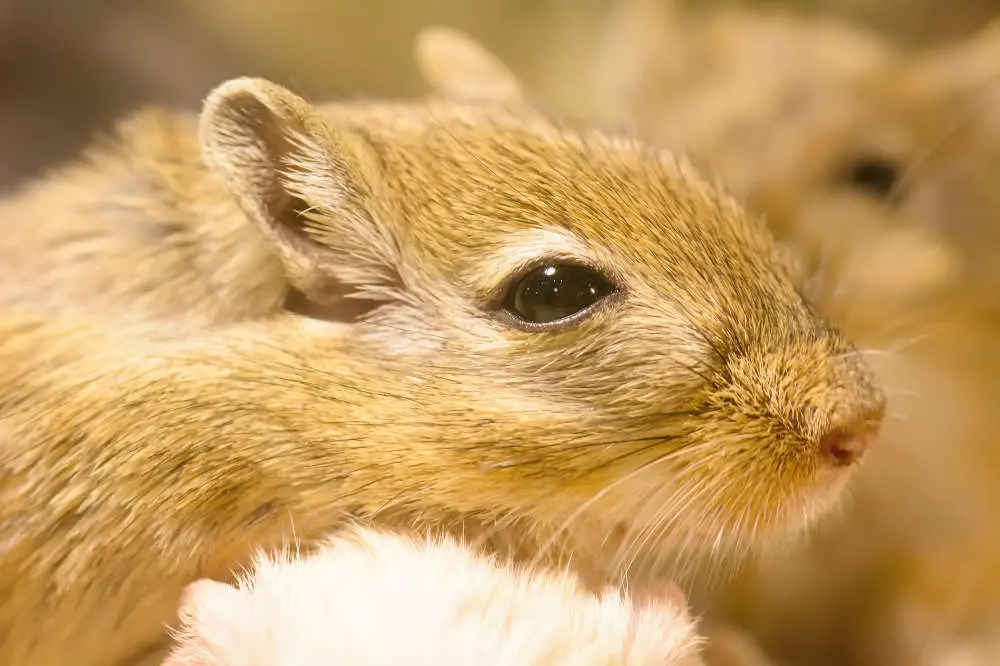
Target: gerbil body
(374, 598)
(138, 228)
(552, 341)
(880, 168)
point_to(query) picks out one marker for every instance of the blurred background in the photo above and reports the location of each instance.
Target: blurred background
(69, 67)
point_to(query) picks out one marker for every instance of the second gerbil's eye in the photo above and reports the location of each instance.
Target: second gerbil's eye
(556, 291)
(873, 175)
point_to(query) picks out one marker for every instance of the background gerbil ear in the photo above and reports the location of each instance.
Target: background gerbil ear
(307, 186)
(457, 67)
(969, 64)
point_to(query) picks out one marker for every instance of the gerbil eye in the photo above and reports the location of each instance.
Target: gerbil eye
(553, 292)
(874, 175)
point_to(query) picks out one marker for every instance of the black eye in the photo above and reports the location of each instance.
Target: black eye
(553, 292)
(876, 176)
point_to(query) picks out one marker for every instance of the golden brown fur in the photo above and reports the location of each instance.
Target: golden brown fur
(157, 433)
(910, 270)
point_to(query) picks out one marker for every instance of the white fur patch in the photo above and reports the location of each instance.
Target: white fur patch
(525, 246)
(373, 599)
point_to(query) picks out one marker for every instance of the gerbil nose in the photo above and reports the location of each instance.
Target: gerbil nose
(845, 446)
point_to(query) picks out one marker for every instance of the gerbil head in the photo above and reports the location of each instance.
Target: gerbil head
(378, 598)
(862, 157)
(906, 178)
(948, 181)
(567, 328)
(698, 77)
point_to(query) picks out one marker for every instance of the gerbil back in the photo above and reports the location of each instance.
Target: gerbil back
(137, 228)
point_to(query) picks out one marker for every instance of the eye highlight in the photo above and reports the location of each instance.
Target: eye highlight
(554, 292)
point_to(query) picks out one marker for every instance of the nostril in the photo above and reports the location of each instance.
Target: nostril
(845, 447)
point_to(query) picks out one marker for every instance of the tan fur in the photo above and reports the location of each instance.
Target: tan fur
(368, 597)
(908, 571)
(159, 433)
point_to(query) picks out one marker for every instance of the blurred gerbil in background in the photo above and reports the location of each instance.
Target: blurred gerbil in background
(898, 99)
(878, 163)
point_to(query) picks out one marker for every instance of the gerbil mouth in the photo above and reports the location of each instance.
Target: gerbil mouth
(741, 516)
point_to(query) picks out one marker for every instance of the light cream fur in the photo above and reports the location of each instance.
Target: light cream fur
(370, 598)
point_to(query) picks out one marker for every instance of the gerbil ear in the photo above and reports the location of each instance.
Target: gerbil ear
(458, 67)
(306, 185)
(662, 595)
(970, 64)
(660, 611)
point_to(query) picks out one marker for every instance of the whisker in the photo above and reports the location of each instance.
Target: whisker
(668, 512)
(586, 505)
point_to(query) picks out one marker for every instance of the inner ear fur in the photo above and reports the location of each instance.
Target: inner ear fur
(304, 183)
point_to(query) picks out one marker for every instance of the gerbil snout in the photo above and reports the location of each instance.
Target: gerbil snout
(796, 420)
(846, 446)
(845, 410)
(817, 395)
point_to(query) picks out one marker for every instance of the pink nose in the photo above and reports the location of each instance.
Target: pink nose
(845, 447)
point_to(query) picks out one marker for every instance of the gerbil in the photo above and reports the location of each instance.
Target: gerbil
(881, 170)
(565, 341)
(376, 598)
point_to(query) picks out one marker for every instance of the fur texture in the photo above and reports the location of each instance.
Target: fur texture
(374, 598)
